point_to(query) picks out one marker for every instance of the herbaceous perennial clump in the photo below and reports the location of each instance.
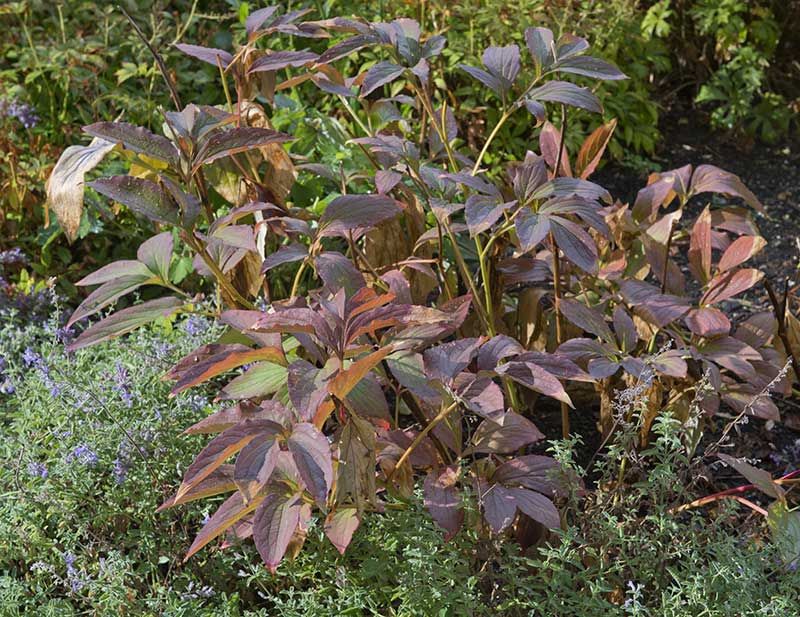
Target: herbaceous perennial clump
(440, 294)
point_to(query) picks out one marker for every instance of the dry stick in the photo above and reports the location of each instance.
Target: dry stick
(557, 273)
(173, 91)
(418, 439)
(779, 308)
(666, 258)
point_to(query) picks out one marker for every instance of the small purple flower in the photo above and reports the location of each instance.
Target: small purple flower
(121, 468)
(37, 470)
(122, 384)
(83, 454)
(195, 325)
(21, 111)
(13, 256)
(7, 387)
(31, 358)
(74, 577)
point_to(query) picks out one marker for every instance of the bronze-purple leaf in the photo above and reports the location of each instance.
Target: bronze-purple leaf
(355, 214)
(446, 361)
(590, 67)
(156, 253)
(531, 471)
(567, 93)
(512, 433)
(220, 481)
(282, 59)
(536, 378)
(576, 244)
(499, 505)
(232, 510)
(213, 56)
(340, 525)
(503, 64)
(700, 247)
(587, 318)
(496, 349)
(257, 18)
(380, 74)
(125, 321)
(708, 322)
(710, 179)
(137, 139)
(224, 446)
(274, 525)
(338, 272)
(443, 500)
(284, 255)
(312, 455)
(537, 506)
(758, 477)
(541, 46)
(142, 196)
(482, 212)
(255, 465)
(740, 250)
(222, 143)
(729, 284)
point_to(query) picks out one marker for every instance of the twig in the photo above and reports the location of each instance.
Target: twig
(173, 91)
(779, 308)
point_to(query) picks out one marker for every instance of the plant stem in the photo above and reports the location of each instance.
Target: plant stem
(418, 439)
(222, 280)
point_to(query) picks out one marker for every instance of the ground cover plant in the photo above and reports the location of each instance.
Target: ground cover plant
(400, 323)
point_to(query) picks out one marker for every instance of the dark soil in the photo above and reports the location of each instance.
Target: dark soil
(772, 172)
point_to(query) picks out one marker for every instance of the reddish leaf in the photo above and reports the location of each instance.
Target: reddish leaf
(284, 255)
(481, 395)
(710, 179)
(222, 143)
(586, 318)
(742, 249)
(541, 47)
(213, 56)
(312, 455)
(759, 477)
(512, 433)
(446, 361)
(308, 387)
(222, 447)
(537, 506)
(232, 510)
(729, 284)
(278, 60)
(136, 138)
(257, 18)
(355, 214)
(593, 147)
(338, 272)
(125, 321)
(555, 364)
(234, 357)
(700, 247)
(536, 378)
(142, 196)
(340, 525)
(708, 322)
(530, 471)
(226, 418)
(274, 525)
(220, 481)
(671, 363)
(549, 140)
(496, 349)
(443, 500)
(499, 505)
(255, 465)
(341, 385)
